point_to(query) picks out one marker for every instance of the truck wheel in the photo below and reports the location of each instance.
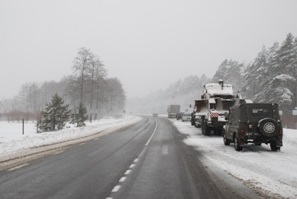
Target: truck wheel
(273, 146)
(237, 147)
(197, 125)
(268, 127)
(203, 127)
(226, 140)
(207, 129)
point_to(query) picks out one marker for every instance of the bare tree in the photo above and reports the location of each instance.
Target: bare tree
(97, 72)
(82, 63)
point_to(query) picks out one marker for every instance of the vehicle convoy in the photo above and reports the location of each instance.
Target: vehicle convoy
(209, 113)
(253, 123)
(173, 110)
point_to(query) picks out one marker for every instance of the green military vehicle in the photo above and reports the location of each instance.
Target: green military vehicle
(253, 123)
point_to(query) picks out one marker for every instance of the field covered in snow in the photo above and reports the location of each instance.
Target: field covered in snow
(269, 173)
(12, 141)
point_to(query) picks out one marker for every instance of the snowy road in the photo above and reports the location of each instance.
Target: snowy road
(90, 169)
(272, 174)
(145, 160)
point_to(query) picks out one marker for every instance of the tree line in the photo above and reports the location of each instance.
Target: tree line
(87, 85)
(270, 78)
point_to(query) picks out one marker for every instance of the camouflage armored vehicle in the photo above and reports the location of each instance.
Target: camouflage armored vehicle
(253, 123)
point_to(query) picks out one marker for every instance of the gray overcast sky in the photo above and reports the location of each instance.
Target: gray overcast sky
(146, 44)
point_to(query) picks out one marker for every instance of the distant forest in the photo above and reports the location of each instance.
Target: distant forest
(87, 84)
(271, 77)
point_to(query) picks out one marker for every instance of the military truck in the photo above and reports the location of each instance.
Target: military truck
(173, 110)
(255, 123)
(209, 111)
(210, 114)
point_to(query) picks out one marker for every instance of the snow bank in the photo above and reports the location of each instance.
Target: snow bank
(12, 140)
(270, 173)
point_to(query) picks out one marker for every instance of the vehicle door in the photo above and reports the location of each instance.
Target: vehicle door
(229, 124)
(233, 122)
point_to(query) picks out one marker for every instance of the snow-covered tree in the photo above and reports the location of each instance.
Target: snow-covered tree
(272, 76)
(287, 56)
(254, 75)
(277, 91)
(282, 64)
(231, 72)
(55, 115)
(80, 117)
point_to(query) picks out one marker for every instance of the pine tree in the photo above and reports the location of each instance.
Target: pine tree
(80, 117)
(266, 71)
(277, 91)
(280, 80)
(253, 75)
(231, 72)
(286, 55)
(55, 115)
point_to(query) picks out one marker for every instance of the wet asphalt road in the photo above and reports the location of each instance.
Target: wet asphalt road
(145, 160)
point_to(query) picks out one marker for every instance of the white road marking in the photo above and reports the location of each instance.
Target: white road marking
(148, 142)
(122, 179)
(128, 172)
(116, 188)
(17, 167)
(132, 166)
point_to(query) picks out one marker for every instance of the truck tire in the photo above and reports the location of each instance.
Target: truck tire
(205, 128)
(273, 146)
(226, 140)
(197, 125)
(268, 127)
(237, 147)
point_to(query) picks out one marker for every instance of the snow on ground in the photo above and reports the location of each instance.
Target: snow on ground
(12, 140)
(270, 173)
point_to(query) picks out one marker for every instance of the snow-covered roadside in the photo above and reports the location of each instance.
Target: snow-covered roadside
(270, 173)
(12, 141)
